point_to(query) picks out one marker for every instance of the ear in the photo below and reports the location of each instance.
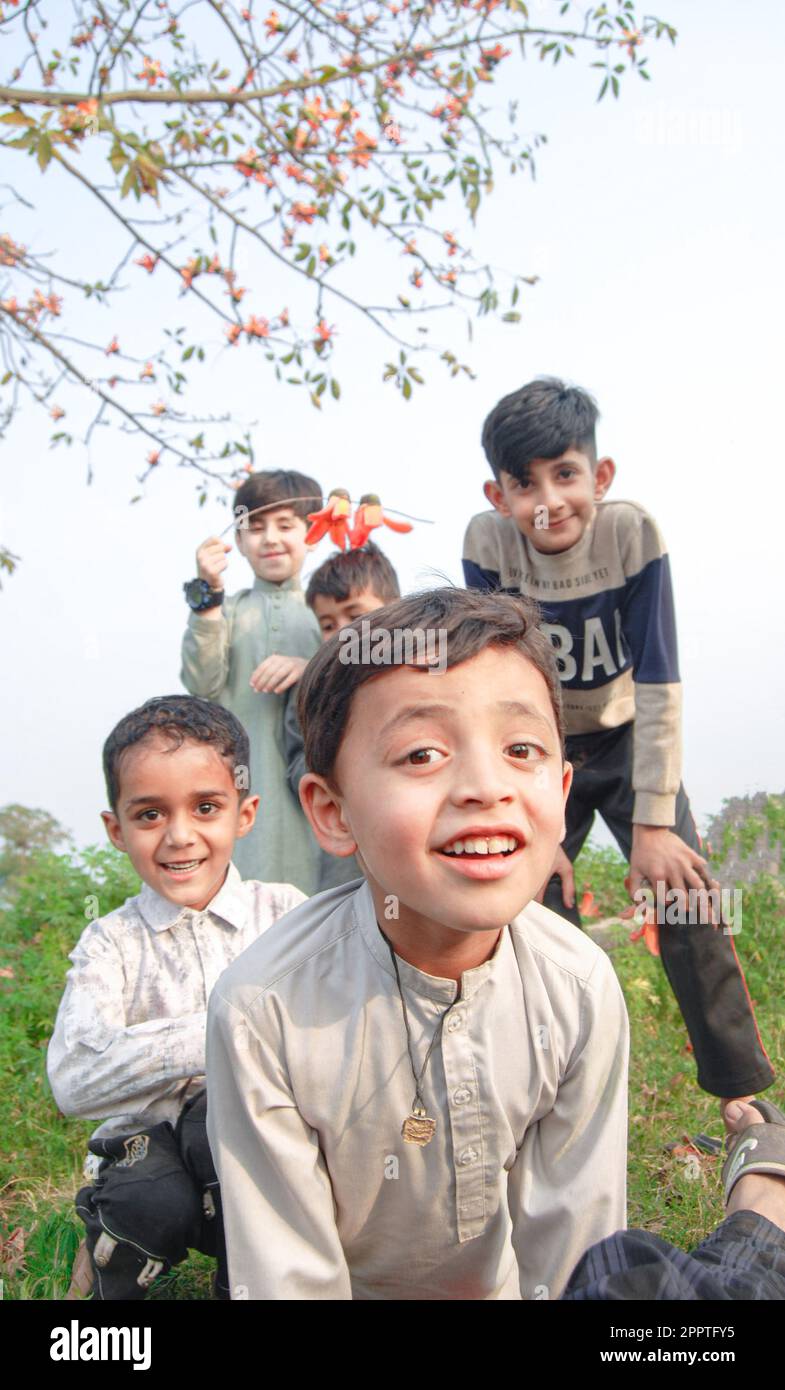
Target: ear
(246, 815)
(495, 496)
(604, 474)
(326, 816)
(566, 782)
(113, 830)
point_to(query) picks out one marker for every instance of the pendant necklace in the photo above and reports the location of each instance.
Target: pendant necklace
(418, 1127)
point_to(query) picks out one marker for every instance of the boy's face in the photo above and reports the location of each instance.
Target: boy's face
(471, 757)
(556, 504)
(273, 543)
(178, 816)
(333, 614)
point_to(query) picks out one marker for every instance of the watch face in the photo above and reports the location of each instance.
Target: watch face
(195, 592)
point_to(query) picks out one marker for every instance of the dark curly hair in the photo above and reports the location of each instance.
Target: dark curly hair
(178, 717)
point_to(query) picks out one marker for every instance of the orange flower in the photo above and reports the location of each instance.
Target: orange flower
(283, 318)
(189, 270)
(159, 408)
(237, 293)
(11, 305)
(153, 457)
(257, 328)
(147, 373)
(273, 23)
(57, 412)
(449, 237)
(304, 212)
(233, 332)
(324, 254)
(151, 73)
(323, 333)
(147, 262)
(364, 146)
(114, 346)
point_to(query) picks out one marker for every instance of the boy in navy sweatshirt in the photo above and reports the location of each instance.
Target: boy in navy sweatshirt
(600, 573)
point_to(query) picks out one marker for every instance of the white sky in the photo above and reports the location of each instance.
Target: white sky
(655, 224)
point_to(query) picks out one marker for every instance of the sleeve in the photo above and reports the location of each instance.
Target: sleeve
(480, 558)
(567, 1186)
(279, 1212)
(205, 653)
(97, 1065)
(294, 744)
(649, 628)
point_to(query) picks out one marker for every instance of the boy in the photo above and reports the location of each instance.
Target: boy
(437, 978)
(348, 585)
(128, 1043)
(600, 573)
(246, 650)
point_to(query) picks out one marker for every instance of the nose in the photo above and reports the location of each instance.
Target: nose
(179, 831)
(482, 778)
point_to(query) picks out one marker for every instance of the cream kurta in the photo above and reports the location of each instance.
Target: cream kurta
(309, 1081)
(128, 1042)
(219, 659)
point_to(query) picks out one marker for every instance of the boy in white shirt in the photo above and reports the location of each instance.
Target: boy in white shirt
(128, 1043)
(418, 1086)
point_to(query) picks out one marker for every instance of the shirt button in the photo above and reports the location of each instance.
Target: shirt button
(454, 1022)
(468, 1156)
(461, 1095)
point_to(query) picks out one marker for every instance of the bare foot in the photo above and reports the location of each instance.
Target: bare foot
(758, 1192)
(736, 1100)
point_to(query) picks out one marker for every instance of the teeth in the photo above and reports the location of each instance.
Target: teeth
(183, 868)
(492, 844)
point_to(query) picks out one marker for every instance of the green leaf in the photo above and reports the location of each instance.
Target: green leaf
(336, 390)
(44, 151)
(512, 316)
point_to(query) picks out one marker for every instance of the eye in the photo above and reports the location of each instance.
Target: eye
(148, 816)
(527, 752)
(567, 472)
(207, 807)
(420, 757)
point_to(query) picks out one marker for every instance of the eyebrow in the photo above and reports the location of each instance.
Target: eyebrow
(147, 800)
(411, 713)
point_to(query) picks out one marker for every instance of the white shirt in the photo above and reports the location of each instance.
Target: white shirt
(129, 1038)
(309, 1081)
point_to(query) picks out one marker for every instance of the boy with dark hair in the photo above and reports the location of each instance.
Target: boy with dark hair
(348, 585)
(128, 1042)
(599, 571)
(246, 650)
(417, 1085)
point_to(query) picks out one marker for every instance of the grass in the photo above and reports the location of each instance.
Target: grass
(40, 1168)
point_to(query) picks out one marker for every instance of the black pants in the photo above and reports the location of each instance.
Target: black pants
(699, 960)
(155, 1198)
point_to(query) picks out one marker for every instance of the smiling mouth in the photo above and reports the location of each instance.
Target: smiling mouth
(480, 846)
(186, 866)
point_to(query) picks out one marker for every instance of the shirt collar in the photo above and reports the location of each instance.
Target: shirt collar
(229, 905)
(266, 586)
(431, 986)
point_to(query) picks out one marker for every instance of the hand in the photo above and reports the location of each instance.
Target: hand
(211, 561)
(659, 856)
(561, 866)
(276, 674)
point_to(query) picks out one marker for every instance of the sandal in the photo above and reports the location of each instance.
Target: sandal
(758, 1149)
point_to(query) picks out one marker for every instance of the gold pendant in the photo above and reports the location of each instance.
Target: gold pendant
(418, 1128)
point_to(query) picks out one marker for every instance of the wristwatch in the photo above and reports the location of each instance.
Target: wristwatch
(199, 596)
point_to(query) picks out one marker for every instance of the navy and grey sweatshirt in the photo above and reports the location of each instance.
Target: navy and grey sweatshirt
(607, 605)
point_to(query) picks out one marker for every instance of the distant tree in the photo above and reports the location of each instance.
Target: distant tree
(25, 831)
(289, 140)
